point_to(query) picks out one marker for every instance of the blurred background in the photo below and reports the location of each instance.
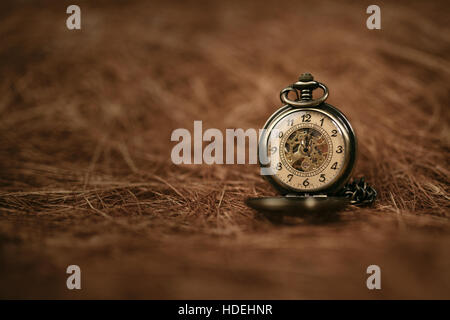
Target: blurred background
(86, 176)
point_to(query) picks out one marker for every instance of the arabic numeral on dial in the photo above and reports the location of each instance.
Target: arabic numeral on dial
(322, 177)
(334, 133)
(306, 182)
(339, 149)
(280, 135)
(289, 176)
(334, 166)
(306, 117)
(290, 122)
(279, 166)
(321, 122)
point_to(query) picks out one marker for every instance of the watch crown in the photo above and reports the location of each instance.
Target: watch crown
(305, 77)
(303, 89)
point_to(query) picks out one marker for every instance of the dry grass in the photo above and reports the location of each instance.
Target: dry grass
(86, 176)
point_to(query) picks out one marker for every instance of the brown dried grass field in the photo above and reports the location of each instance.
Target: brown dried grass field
(86, 176)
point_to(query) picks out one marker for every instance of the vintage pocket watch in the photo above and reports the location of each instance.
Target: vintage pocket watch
(307, 151)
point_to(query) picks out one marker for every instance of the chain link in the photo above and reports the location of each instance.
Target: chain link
(359, 192)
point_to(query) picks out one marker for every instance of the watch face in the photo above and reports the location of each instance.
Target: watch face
(307, 150)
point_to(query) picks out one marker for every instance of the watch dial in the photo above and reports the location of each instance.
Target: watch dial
(306, 151)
